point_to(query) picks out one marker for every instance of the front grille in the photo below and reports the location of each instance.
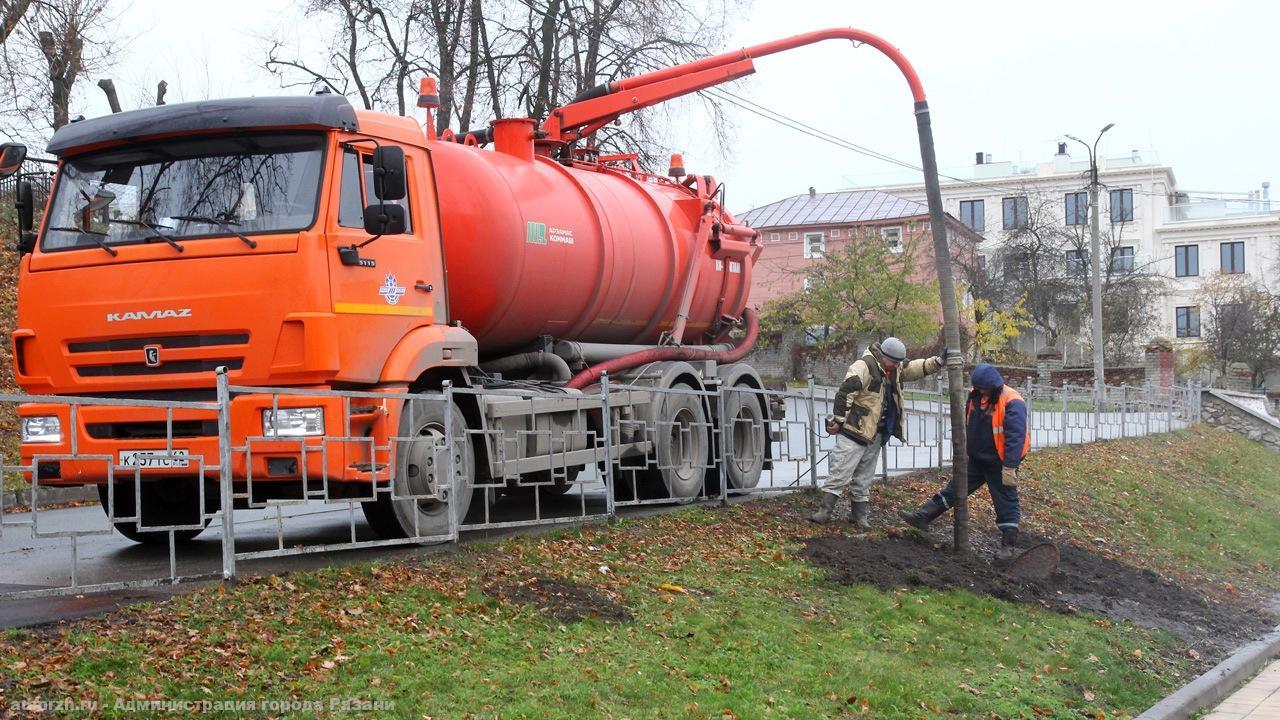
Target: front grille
(167, 342)
(175, 367)
(151, 430)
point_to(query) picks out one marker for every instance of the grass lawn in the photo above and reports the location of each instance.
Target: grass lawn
(715, 615)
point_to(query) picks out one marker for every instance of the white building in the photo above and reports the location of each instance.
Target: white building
(1182, 236)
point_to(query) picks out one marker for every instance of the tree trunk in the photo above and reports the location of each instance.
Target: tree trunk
(951, 327)
(109, 89)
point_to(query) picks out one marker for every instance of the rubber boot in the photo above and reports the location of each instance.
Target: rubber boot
(858, 515)
(824, 509)
(923, 515)
(1008, 541)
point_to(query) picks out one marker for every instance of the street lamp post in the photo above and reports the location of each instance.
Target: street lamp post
(1095, 263)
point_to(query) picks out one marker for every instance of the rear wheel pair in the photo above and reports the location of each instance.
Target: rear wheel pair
(682, 462)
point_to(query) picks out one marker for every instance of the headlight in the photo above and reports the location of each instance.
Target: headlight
(41, 429)
(293, 422)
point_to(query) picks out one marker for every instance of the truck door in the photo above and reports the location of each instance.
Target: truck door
(398, 286)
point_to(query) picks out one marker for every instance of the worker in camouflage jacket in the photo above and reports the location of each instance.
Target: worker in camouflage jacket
(998, 441)
(868, 411)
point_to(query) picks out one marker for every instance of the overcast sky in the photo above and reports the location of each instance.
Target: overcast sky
(1195, 82)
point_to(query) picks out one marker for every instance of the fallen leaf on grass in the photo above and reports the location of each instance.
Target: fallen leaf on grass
(673, 588)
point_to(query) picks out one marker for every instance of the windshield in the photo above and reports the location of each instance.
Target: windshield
(183, 189)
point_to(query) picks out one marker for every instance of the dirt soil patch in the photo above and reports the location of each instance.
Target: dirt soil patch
(1085, 581)
(564, 600)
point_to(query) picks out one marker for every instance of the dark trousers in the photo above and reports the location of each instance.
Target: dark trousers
(1005, 496)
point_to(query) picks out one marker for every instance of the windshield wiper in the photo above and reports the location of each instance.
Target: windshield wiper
(227, 225)
(153, 228)
(96, 235)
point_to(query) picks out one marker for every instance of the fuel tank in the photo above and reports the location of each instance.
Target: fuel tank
(580, 251)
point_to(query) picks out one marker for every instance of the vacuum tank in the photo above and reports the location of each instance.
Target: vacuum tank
(579, 250)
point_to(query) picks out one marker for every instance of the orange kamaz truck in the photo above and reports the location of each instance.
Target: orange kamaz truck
(300, 243)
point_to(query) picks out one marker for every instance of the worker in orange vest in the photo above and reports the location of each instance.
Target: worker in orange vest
(998, 441)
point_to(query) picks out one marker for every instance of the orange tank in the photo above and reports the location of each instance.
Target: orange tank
(577, 251)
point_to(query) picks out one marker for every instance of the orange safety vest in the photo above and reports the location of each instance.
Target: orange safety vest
(1007, 394)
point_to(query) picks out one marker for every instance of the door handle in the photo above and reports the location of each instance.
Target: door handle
(424, 287)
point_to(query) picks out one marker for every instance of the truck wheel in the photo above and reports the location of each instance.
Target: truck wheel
(420, 467)
(682, 444)
(165, 501)
(743, 423)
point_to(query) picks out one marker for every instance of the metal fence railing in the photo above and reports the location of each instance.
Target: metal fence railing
(37, 171)
(459, 460)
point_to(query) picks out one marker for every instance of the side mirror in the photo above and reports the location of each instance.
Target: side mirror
(11, 157)
(384, 219)
(24, 202)
(388, 173)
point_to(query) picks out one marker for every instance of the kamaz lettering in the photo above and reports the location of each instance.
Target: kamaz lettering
(149, 315)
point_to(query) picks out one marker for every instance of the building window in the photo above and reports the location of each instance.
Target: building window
(775, 237)
(1186, 260)
(1122, 205)
(1233, 257)
(1078, 208)
(1122, 259)
(793, 235)
(814, 245)
(1015, 212)
(1188, 321)
(973, 214)
(1077, 262)
(835, 232)
(892, 237)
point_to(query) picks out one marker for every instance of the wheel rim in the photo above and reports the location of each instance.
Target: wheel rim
(682, 452)
(422, 472)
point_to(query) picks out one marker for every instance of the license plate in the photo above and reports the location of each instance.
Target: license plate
(176, 458)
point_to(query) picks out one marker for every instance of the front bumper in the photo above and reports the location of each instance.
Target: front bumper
(111, 443)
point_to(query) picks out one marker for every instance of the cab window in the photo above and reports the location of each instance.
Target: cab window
(357, 191)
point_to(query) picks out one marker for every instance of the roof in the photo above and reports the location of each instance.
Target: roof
(310, 111)
(847, 206)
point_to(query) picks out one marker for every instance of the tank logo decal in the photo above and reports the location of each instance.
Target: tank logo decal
(560, 235)
(536, 233)
(391, 290)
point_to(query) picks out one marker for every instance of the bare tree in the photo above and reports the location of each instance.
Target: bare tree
(1240, 323)
(1045, 262)
(494, 58)
(48, 49)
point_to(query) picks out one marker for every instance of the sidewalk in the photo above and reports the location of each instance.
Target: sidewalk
(1257, 700)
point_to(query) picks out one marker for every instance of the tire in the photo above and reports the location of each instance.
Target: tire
(165, 501)
(417, 474)
(744, 424)
(682, 447)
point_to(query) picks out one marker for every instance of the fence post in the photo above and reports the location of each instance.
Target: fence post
(1065, 393)
(813, 438)
(224, 477)
(1031, 410)
(1124, 410)
(726, 436)
(1147, 404)
(449, 469)
(606, 427)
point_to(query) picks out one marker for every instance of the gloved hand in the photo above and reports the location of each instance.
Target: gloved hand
(943, 354)
(1008, 475)
(833, 425)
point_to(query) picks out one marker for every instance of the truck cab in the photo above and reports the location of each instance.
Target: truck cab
(293, 241)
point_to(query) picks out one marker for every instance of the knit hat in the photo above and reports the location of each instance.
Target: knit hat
(893, 349)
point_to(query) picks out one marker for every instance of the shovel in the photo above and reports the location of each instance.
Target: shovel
(1035, 563)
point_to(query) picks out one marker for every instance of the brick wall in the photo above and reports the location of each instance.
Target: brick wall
(1114, 376)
